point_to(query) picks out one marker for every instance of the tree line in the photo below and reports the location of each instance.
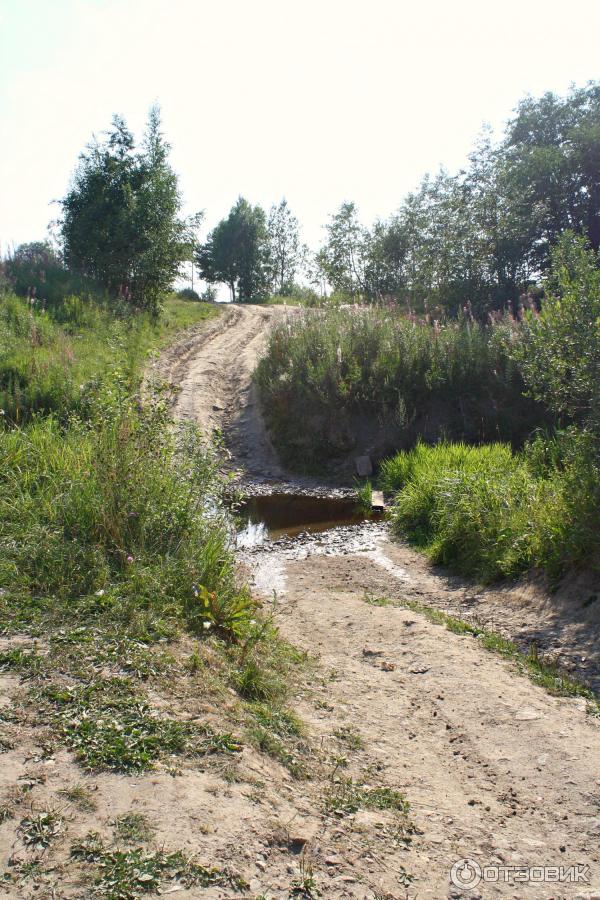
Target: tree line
(480, 238)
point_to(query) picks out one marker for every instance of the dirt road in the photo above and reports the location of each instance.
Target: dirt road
(495, 769)
(212, 369)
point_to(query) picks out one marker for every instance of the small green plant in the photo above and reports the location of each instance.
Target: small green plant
(349, 736)
(133, 828)
(277, 719)
(277, 732)
(364, 498)
(7, 812)
(255, 681)
(24, 869)
(377, 601)
(305, 887)
(40, 829)
(80, 796)
(273, 746)
(344, 796)
(127, 874)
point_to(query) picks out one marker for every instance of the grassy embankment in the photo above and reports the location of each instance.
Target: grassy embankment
(116, 564)
(491, 513)
(485, 480)
(51, 362)
(389, 381)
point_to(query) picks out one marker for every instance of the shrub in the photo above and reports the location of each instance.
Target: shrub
(36, 270)
(493, 513)
(559, 353)
(188, 294)
(350, 370)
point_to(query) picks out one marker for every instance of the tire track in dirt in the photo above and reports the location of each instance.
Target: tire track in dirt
(496, 770)
(212, 368)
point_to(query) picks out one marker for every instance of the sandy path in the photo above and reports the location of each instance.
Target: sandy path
(495, 769)
(212, 369)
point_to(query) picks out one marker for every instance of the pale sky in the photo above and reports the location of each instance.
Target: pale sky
(318, 100)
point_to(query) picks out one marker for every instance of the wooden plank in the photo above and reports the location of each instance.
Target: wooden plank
(377, 501)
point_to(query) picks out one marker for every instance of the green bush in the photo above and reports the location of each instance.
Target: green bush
(340, 368)
(36, 269)
(188, 294)
(121, 511)
(493, 513)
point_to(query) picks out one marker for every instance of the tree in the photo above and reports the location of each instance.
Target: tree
(386, 268)
(120, 223)
(236, 253)
(559, 352)
(552, 160)
(345, 255)
(480, 238)
(285, 250)
(37, 271)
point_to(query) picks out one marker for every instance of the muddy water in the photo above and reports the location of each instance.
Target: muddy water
(278, 515)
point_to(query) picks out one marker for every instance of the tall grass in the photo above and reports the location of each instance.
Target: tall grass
(493, 513)
(50, 360)
(106, 507)
(120, 513)
(335, 369)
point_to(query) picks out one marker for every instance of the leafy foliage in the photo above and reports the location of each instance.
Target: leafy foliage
(285, 252)
(559, 353)
(402, 376)
(35, 270)
(482, 238)
(121, 224)
(235, 253)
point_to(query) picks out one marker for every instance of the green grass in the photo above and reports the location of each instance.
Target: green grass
(110, 726)
(354, 373)
(133, 828)
(276, 731)
(107, 519)
(119, 874)
(80, 796)
(54, 361)
(344, 797)
(349, 736)
(492, 513)
(364, 498)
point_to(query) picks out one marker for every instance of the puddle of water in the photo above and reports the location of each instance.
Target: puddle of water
(280, 515)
